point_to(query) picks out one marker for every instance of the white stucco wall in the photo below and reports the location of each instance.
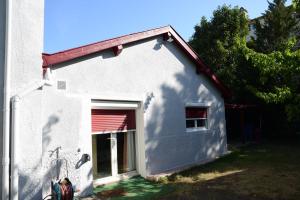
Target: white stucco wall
(27, 19)
(151, 66)
(2, 52)
(30, 146)
(27, 43)
(64, 128)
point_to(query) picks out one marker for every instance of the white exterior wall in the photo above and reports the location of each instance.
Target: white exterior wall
(27, 17)
(64, 127)
(30, 147)
(27, 43)
(2, 63)
(149, 67)
(251, 33)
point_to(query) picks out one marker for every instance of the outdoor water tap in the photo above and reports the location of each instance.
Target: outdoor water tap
(85, 157)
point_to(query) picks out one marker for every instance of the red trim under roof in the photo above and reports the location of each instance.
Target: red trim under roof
(63, 56)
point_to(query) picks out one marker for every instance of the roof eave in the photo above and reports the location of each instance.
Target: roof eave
(50, 60)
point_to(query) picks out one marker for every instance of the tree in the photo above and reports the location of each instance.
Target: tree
(296, 5)
(275, 27)
(277, 32)
(278, 80)
(271, 77)
(218, 36)
(216, 42)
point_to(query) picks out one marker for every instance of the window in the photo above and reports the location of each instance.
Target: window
(196, 117)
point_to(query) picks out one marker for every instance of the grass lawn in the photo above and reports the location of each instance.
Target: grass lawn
(133, 188)
(265, 171)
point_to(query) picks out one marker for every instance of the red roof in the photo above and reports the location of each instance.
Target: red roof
(63, 56)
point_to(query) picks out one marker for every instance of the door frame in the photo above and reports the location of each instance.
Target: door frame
(139, 137)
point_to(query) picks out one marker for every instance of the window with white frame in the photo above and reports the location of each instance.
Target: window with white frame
(196, 117)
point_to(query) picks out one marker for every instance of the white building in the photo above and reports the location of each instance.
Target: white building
(142, 103)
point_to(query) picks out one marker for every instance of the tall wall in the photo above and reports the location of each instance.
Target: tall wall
(27, 18)
(2, 62)
(27, 43)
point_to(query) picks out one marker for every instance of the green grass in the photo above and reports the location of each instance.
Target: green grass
(266, 171)
(134, 188)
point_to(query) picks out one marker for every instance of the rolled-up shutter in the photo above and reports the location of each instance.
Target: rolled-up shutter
(196, 112)
(112, 120)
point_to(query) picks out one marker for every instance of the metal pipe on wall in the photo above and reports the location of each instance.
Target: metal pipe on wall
(14, 144)
(15, 123)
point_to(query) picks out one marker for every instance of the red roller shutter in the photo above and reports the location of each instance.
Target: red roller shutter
(112, 120)
(195, 112)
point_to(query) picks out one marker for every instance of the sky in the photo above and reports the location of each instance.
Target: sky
(73, 23)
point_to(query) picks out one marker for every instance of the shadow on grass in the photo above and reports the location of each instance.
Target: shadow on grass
(265, 172)
(268, 171)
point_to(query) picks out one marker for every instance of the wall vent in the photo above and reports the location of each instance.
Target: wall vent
(61, 85)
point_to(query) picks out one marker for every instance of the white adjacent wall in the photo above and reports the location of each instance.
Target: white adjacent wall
(27, 17)
(2, 63)
(27, 43)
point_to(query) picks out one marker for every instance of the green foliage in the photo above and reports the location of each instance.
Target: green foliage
(217, 42)
(274, 29)
(269, 73)
(213, 40)
(296, 5)
(278, 81)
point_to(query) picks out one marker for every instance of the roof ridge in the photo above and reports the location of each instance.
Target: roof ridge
(116, 45)
(105, 40)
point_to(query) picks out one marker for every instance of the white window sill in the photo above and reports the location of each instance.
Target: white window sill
(200, 130)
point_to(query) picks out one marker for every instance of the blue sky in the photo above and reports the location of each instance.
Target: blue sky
(72, 23)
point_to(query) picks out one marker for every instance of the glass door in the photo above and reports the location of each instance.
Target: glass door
(101, 144)
(126, 151)
(113, 154)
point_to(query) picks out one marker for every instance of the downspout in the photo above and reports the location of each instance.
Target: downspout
(14, 144)
(6, 103)
(15, 123)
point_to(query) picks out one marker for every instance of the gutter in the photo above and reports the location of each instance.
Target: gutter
(6, 103)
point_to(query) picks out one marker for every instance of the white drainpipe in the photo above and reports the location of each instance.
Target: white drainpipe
(14, 144)
(15, 124)
(13, 191)
(6, 103)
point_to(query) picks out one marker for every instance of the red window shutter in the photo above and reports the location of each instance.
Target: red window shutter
(112, 120)
(195, 112)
